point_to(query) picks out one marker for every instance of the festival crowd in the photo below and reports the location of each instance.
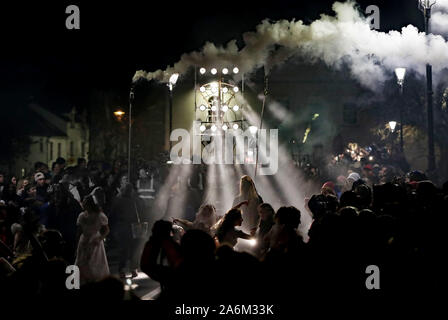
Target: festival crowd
(90, 214)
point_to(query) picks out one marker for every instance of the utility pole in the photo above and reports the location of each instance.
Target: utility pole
(425, 6)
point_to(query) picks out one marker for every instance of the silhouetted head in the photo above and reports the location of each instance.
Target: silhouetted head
(233, 217)
(126, 190)
(288, 216)
(321, 205)
(247, 187)
(349, 199)
(266, 212)
(89, 205)
(52, 243)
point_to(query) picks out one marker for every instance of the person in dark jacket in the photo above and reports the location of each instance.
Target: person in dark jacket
(127, 210)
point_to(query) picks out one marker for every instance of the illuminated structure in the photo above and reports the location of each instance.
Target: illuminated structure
(219, 106)
(216, 106)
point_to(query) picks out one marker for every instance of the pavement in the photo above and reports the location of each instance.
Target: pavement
(142, 286)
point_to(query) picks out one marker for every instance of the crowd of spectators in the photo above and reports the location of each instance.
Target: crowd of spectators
(361, 222)
(363, 218)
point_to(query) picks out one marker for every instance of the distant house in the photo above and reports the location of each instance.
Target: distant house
(54, 136)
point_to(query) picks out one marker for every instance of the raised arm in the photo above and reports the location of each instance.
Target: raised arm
(183, 223)
(244, 235)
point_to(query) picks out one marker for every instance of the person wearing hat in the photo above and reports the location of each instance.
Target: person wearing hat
(41, 187)
(352, 177)
(328, 188)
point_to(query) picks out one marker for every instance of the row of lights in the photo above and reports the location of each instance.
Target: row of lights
(213, 128)
(215, 71)
(215, 89)
(224, 108)
(224, 127)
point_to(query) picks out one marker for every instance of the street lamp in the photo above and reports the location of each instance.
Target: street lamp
(425, 7)
(392, 125)
(131, 100)
(173, 80)
(119, 114)
(171, 83)
(401, 73)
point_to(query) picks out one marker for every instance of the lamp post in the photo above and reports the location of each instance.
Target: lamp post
(392, 126)
(171, 83)
(425, 6)
(119, 114)
(400, 73)
(131, 100)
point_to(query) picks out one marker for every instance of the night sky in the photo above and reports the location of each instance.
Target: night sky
(42, 61)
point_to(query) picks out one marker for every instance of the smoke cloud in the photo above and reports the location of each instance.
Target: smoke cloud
(439, 19)
(344, 39)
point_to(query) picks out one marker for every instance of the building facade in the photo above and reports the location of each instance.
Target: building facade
(53, 136)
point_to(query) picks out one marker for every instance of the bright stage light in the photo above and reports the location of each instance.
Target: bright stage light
(252, 242)
(202, 70)
(225, 90)
(236, 70)
(202, 128)
(224, 108)
(235, 126)
(213, 128)
(253, 129)
(202, 107)
(225, 127)
(370, 158)
(236, 108)
(225, 71)
(236, 89)
(214, 71)
(214, 108)
(202, 89)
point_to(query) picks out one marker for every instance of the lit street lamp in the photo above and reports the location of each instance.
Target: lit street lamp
(171, 83)
(401, 73)
(425, 7)
(119, 114)
(392, 125)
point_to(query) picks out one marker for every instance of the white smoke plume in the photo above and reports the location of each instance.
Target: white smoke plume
(439, 19)
(344, 39)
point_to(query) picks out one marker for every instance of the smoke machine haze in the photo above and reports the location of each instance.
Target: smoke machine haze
(344, 39)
